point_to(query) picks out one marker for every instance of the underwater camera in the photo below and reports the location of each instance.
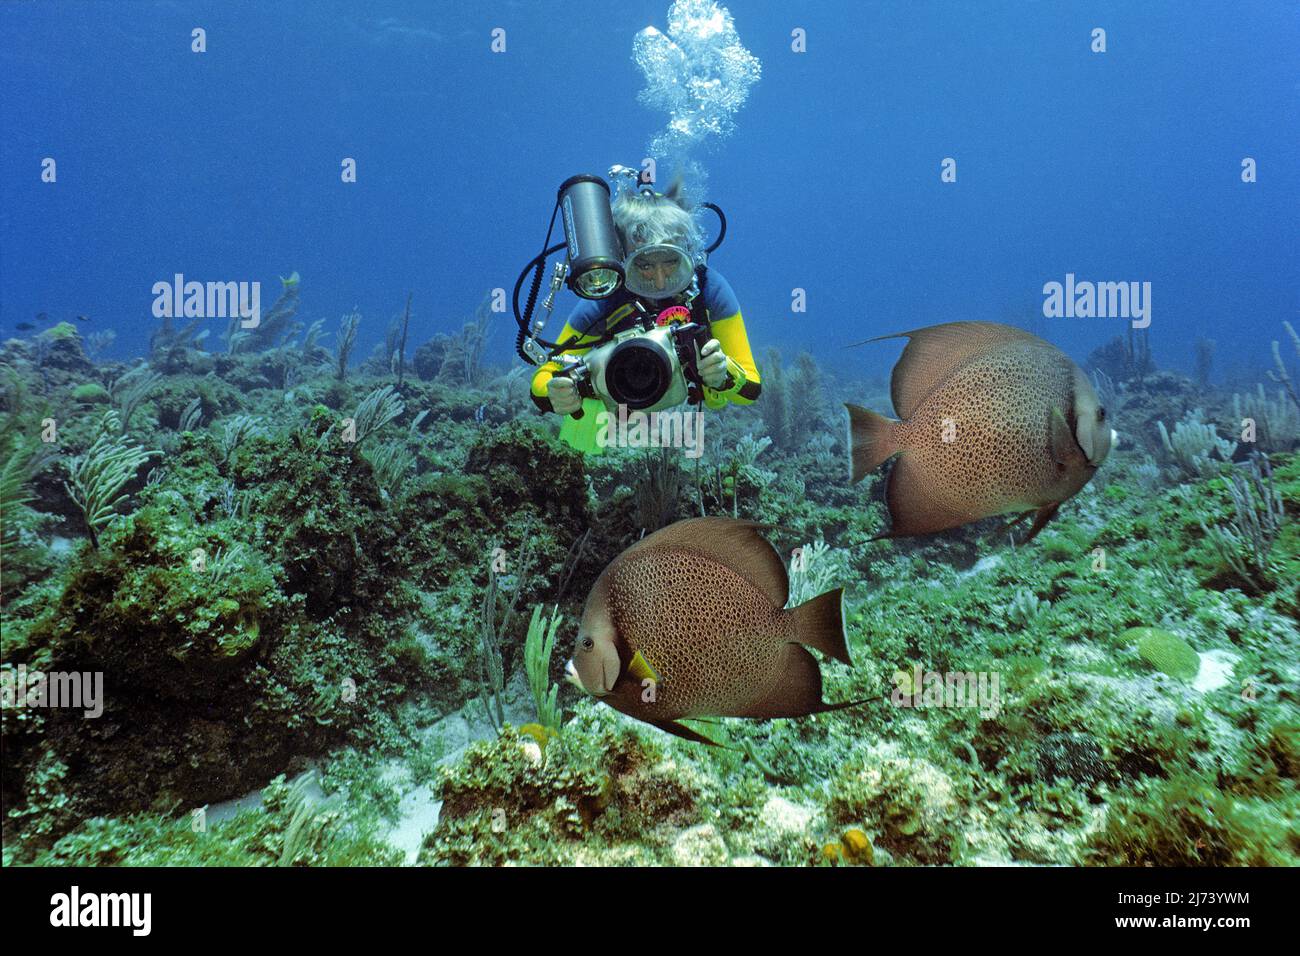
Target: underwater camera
(644, 370)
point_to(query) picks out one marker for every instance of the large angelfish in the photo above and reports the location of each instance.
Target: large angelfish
(994, 421)
(691, 622)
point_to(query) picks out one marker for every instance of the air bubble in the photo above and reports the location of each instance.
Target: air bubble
(699, 73)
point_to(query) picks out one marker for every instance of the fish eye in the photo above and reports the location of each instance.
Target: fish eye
(587, 644)
(1101, 413)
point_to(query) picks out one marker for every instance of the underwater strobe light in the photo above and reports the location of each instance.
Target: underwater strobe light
(595, 255)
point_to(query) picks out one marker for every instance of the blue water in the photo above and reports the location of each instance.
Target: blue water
(226, 165)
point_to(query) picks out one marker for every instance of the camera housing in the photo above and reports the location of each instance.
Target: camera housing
(645, 370)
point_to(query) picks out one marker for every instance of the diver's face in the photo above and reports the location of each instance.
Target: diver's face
(656, 268)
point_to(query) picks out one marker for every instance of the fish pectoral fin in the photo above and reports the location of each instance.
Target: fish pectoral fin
(1045, 514)
(681, 730)
(640, 668)
(1060, 438)
(1012, 522)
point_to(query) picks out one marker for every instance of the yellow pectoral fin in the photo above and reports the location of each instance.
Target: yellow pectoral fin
(640, 669)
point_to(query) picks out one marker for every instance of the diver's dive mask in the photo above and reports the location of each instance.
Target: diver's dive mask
(658, 271)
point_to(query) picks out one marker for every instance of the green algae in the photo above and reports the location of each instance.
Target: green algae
(92, 393)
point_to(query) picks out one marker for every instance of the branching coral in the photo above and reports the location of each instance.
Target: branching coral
(494, 624)
(347, 339)
(313, 353)
(463, 357)
(97, 342)
(401, 343)
(99, 475)
(793, 404)
(275, 326)
(375, 411)
(1281, 376)
(167, 340)
(235, 431)
(311, 820)
(1257, 520)
(657, 491)
(1277, 421)
(129, 390)
(392, 464)
(815, 569)
(22, 464)
(1024, 607)
(456, 358)
(1193, 443)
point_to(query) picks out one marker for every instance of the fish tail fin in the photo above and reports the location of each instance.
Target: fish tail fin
(819, 624)
(871, 440)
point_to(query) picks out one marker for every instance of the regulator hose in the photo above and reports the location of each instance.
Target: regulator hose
(722, 225)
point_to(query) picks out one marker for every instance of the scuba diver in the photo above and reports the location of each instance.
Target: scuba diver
(657, 327)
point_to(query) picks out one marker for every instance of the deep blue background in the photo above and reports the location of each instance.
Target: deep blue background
(226, 165)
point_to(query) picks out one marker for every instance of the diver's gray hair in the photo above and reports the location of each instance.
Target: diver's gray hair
(645, 220)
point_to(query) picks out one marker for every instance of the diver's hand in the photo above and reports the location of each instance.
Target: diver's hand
(563, 395)
(712, 365)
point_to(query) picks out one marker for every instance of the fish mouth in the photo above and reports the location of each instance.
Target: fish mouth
(1114, 441)
(571, 676)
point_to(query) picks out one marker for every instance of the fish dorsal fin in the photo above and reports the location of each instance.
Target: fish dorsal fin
(640, 669)
(935, 352)
(731, 542)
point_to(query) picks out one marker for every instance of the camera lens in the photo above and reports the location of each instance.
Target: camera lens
(638, 374)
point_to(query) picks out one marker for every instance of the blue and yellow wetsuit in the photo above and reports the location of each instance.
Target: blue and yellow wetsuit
(592, 319)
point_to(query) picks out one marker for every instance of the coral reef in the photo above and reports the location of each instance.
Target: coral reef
(331, 603)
